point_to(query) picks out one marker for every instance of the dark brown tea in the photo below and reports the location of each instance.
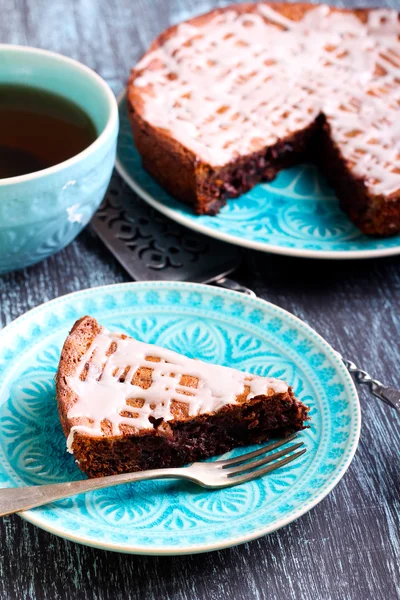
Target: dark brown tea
(39, 129)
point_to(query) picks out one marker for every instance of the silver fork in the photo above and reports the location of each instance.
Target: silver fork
(212, 475)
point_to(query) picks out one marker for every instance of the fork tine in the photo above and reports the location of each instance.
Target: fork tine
(238, 460)
(260, 472)
(232, 472)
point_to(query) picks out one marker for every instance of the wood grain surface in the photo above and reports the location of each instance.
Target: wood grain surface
(348, 547)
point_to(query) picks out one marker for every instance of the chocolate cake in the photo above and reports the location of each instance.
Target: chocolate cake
(127, 406)
(228, 99)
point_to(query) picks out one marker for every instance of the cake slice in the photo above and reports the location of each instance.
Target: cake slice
(127, 406)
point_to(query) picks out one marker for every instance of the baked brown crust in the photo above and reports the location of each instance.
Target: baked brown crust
(81, 336)
(207, 188)
(178, 441)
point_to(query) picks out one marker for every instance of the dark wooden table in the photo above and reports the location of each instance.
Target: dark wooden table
(348, 547)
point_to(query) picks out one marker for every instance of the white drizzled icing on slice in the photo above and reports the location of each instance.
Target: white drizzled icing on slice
(101, 396)
(236, 83)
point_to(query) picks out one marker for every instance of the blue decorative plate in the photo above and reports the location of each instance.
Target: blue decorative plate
(297, 214)
(173, 517)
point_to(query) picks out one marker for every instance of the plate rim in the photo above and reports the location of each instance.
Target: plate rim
(40, 522)
(233, 239)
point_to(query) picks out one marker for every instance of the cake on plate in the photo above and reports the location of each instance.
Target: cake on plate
(126, 405)
(228, 99)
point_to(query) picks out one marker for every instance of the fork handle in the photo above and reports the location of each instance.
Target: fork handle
(389, 395)
(13, 500)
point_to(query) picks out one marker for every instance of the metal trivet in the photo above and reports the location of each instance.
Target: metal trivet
(152, 247)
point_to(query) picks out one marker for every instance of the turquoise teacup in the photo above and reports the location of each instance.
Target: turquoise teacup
(42, 212)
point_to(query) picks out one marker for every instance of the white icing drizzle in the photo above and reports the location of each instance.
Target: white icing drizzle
(101, 396)
(237, 82)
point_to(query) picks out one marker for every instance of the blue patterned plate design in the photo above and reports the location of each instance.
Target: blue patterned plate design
(170, 516)
(297, 214)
